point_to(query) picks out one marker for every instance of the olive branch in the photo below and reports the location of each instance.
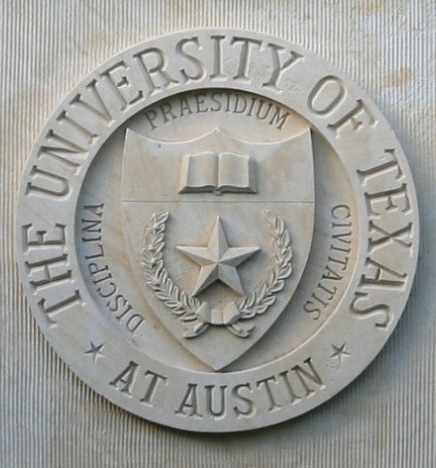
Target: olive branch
(258, 301)
(182, 304)
(188, 308)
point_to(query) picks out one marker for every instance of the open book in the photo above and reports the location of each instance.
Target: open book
(217, 172)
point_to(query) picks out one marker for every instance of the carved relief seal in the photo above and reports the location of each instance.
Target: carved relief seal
(217, 230)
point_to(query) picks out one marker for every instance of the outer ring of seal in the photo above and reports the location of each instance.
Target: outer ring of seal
(74, 328)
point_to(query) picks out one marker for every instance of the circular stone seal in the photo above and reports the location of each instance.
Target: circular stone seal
(218, 231)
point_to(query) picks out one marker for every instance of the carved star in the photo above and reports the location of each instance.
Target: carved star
(218, 261)
(95, 351)
(339, 352)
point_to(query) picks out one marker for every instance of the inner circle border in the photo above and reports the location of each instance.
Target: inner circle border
(69, 336)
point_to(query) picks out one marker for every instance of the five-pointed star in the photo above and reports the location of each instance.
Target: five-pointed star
(218, 261)
(339, 352)
(95, 351)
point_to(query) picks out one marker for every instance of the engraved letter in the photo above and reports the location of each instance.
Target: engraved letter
(277, 119)
(48, 270)
(47, 184)
(326, 95)
(341, 212)
(217, 56)
(156, 70)
(209, 400)
(279, 66)
(48, 266)
(91, 99)
(272, 403)
(355, 117)
(390, 198)
(126, 378)
(59, 306)
(133, 323)
(198, 65)
(236, 392)
(155, 379)
(37, 237)
(245, 56)
(190, 402)
(401, 237)
(120, 77)
(383, 276)
(294, 397)
(305, 375)
(375, 309)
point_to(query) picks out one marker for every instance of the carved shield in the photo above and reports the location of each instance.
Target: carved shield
(219, 232)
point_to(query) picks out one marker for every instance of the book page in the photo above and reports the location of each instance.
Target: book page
(199, 172)
(236, 173)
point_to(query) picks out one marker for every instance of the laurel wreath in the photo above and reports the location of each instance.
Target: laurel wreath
(186, 307)
(264, 295)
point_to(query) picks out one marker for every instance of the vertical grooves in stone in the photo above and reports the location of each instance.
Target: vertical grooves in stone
(49, 418)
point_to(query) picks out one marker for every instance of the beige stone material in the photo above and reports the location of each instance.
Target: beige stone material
(218, 231)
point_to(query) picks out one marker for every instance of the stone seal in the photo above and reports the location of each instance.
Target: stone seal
(217, 230)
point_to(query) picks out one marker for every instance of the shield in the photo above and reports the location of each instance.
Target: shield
(219, 232)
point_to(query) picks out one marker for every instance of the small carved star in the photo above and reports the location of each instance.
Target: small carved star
(339, 353)
(95, 351)
(218, 261)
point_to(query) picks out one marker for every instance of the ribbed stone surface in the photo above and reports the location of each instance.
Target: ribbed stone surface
(49, 418)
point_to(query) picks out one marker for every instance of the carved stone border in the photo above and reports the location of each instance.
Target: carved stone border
(377, 289)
